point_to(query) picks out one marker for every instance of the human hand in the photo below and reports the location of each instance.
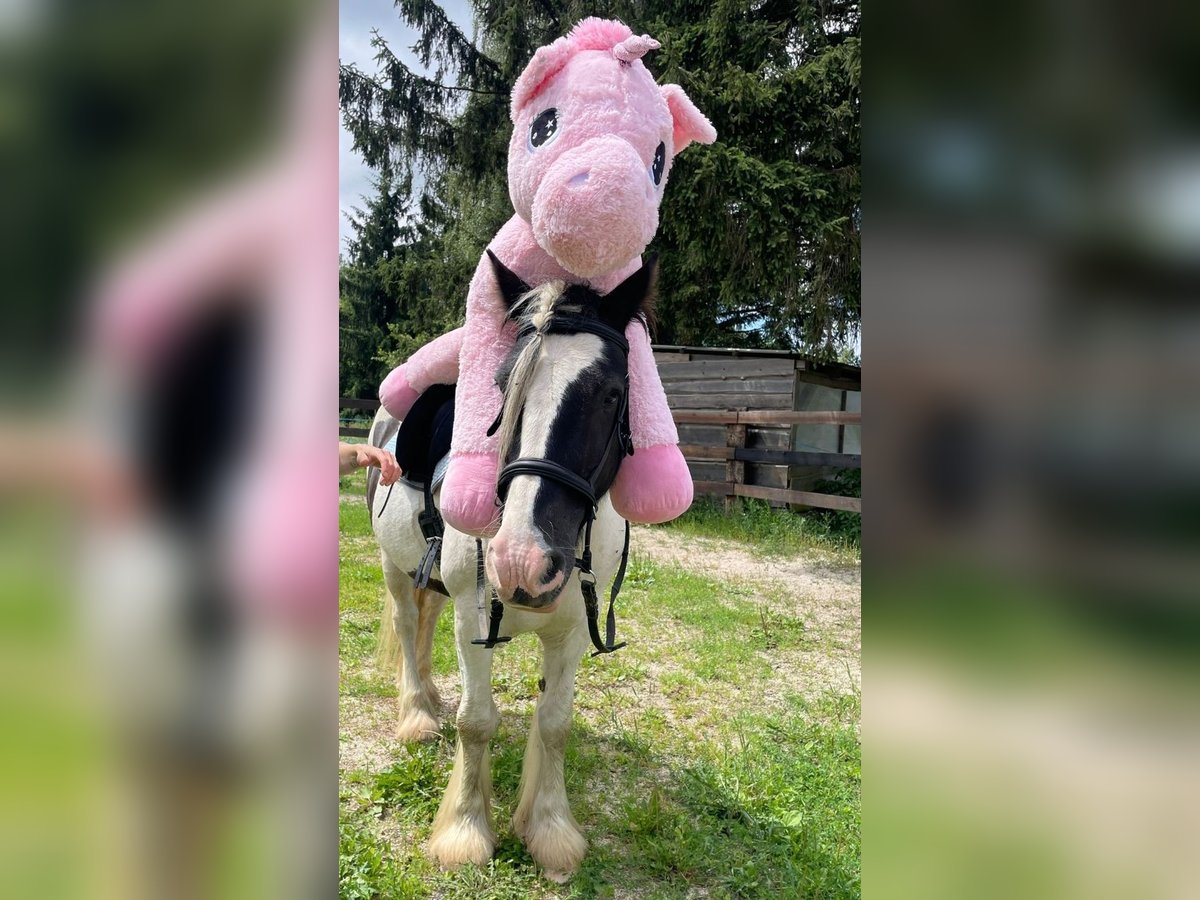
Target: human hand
(362, 455)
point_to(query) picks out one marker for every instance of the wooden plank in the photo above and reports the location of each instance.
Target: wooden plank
(354, 403)
(841, 445)
(671, 359)
(760, 437)
(707, 435)
(706, 470)
(801, 458)
(765, 438)
(757, 437)
(749, 401)
(848, 383)
(711, 487)
(728, 386)
(728, 368)
(766, 476)
(705, 451)
(838, 376)
(799, 417)
(704, 416)
(735, 472)
(345, 431)
(804, 498)
(766, 417)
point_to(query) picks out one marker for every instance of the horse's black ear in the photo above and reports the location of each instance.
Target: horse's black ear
(633, 296)
(511, 285)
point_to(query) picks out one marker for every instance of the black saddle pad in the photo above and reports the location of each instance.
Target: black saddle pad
(424, 436)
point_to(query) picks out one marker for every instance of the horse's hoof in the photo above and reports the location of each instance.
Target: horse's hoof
(464, 841)
(417, 725)
(556, 846)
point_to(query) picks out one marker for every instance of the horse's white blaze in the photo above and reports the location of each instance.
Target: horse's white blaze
(564, 358)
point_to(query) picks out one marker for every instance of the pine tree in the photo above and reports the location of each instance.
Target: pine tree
(389, 286)
(760, 232)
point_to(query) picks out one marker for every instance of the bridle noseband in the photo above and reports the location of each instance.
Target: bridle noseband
(619, 440)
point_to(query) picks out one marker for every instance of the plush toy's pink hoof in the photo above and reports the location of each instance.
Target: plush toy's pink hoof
(396, 394)
(468, 500)
(654, 485)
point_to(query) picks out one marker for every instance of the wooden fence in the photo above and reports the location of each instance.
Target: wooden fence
(735, 453)
(345, 403)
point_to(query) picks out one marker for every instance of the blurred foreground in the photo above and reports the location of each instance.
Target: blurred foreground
(1032, 278)
(168, 533)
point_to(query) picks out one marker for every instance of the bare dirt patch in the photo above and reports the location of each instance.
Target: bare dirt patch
(821, 590)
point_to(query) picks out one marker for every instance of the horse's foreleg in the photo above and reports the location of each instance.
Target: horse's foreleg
(543, 818)
(462, 830)
(411, 609)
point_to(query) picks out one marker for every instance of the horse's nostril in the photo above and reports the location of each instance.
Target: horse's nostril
(555, 560)
(580, 179)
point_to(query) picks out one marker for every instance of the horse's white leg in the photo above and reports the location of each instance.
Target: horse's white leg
(429, 609)
(419, 703)
(543, 818)
(462, 830)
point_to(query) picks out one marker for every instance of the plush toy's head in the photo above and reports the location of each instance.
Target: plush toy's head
(592, 145)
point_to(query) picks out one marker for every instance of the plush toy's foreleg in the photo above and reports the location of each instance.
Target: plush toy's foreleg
(468, 501)
(654, 485)
(435, 363)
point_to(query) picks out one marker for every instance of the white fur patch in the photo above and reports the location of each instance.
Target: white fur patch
(563, 359)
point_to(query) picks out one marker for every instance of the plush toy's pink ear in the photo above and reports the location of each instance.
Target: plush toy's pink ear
(545, 63)
(590, 34)
(690, 123)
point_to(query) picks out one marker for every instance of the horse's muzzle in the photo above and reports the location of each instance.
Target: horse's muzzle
(543, 603)
(524, 573)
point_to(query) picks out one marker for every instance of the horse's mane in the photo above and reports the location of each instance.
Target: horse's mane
(535, 308)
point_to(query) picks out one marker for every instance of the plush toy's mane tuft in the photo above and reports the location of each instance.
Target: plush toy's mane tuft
(595, 33)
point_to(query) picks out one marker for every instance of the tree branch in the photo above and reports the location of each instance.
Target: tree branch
(353, 71)
(430, 20)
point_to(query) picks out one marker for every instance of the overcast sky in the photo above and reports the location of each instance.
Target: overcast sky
(356, 19)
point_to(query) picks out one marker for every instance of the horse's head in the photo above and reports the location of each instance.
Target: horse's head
(592, 145)
(565, 413)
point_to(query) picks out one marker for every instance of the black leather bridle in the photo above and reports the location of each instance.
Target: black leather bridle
(619, 441)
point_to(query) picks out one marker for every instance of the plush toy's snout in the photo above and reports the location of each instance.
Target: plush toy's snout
(596, 208)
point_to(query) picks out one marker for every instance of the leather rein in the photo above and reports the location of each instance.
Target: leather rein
(619, 440)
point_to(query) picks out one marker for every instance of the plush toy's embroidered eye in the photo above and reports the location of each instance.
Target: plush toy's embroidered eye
(544, 128)
(660, 161)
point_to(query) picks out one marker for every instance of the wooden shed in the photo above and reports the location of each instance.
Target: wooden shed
(704, 378)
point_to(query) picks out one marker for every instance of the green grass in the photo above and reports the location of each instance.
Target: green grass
(772, 531)
(698, 763)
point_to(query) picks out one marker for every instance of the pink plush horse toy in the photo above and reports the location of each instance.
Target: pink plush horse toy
(592, 145)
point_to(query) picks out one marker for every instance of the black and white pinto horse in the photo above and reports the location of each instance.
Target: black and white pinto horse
(563, 433)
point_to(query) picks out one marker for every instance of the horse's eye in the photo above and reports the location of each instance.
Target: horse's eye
(660, 162)
(612, 397)
(544, 128)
